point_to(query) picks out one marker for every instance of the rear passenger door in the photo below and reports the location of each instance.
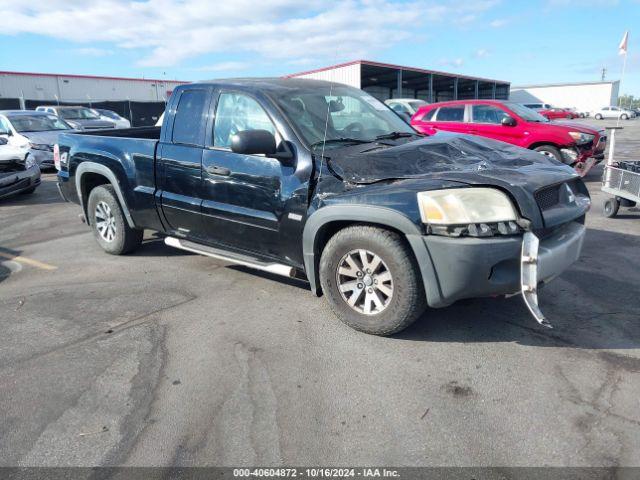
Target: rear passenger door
(451, 118)
(179, 163)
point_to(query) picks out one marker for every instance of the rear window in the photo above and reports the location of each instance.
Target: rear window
(188, 124)
(451, 114)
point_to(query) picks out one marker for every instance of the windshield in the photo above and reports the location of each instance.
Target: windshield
(77, 114)
(109, 114)
(37, 123)
(353, 115)
(417, 104)
(526, 113)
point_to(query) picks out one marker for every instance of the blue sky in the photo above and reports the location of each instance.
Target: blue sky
(524, 42)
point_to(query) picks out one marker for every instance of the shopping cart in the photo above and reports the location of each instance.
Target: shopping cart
(621, 179)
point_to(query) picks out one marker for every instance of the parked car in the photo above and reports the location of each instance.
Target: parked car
(19, 172)
(80, 118)
(577, 113)
(302, 177)
(538, 106)
(613, 112)
(405, 105)
(36, 131)
(112, 116)
(510, 122)
(556, 113)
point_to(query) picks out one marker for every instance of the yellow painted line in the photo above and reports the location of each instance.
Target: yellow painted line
(28, 261)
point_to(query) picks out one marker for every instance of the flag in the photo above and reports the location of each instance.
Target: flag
(622, 48)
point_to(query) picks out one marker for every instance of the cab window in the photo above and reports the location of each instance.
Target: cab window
(236, 113)
(188, 123)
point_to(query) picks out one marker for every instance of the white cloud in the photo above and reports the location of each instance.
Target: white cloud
(168, 32)
(454, 62)
(498, 22)
(223, 67)
(92, 52)
(481, 53)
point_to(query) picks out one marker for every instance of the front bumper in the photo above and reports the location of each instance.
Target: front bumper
(44, 158)
(16, 182)
(479, 267)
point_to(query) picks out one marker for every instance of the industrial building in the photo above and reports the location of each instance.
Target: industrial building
(138, 99)
(384, 81)
(584, 96)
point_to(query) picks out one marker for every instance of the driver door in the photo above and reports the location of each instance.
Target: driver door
(242, 198)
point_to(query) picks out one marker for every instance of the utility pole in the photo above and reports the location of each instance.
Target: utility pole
(604, 73)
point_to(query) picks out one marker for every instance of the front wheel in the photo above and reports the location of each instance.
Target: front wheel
(611, 206)
(598, 116)
(371, 280)
(110, 228)
(624, 116)
(549, 151)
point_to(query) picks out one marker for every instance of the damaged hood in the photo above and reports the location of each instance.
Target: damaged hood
(464, 158)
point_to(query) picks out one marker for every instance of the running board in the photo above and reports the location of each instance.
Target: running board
(246, 261)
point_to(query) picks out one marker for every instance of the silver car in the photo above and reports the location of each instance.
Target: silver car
(613, 112)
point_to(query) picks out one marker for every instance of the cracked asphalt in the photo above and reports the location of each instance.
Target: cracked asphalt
(165, 358)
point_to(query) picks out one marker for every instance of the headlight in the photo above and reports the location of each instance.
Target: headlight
(581, 138)
(40, 146)
(30, 162)
(461, 206)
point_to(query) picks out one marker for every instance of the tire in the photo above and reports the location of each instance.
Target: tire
(116, 237)
(624, 116)
(406, 301)
(611, 206)
(549, 151)
(28, 191)
(598, 116)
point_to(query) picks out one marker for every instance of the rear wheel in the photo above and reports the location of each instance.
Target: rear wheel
(611, 206)
(624, 116)
(549, 151)
(110, 228)
(371, 280)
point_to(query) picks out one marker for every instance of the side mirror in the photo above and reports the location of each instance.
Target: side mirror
(509, 122)
(3, 141)
(253, 142)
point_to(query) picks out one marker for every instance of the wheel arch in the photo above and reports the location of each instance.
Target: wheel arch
(90, 175)
(544, 143)
(327, 221)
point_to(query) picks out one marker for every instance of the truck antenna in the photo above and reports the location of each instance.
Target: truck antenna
(326, 120)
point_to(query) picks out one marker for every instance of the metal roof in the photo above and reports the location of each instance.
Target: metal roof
(397, 67)
(568, 84)
(92, 77)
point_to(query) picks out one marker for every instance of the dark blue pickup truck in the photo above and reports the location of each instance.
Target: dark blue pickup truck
(314, 179)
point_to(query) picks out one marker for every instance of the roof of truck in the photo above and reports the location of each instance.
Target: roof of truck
(267, 83)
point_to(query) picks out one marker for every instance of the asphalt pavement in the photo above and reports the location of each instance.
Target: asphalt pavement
(167, 358)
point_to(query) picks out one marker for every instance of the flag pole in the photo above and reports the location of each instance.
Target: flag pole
(625, 41)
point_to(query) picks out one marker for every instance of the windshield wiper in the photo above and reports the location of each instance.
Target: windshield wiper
(339, 140)
(394, 135)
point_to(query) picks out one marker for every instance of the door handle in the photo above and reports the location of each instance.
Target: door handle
(216, 170)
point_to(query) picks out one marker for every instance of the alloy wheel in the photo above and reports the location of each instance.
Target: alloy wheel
(364, 281)
(105, 222)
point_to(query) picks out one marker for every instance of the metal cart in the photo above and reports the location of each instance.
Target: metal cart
(620, 179)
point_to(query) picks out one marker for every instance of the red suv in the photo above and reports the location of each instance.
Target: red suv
(570, 143)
